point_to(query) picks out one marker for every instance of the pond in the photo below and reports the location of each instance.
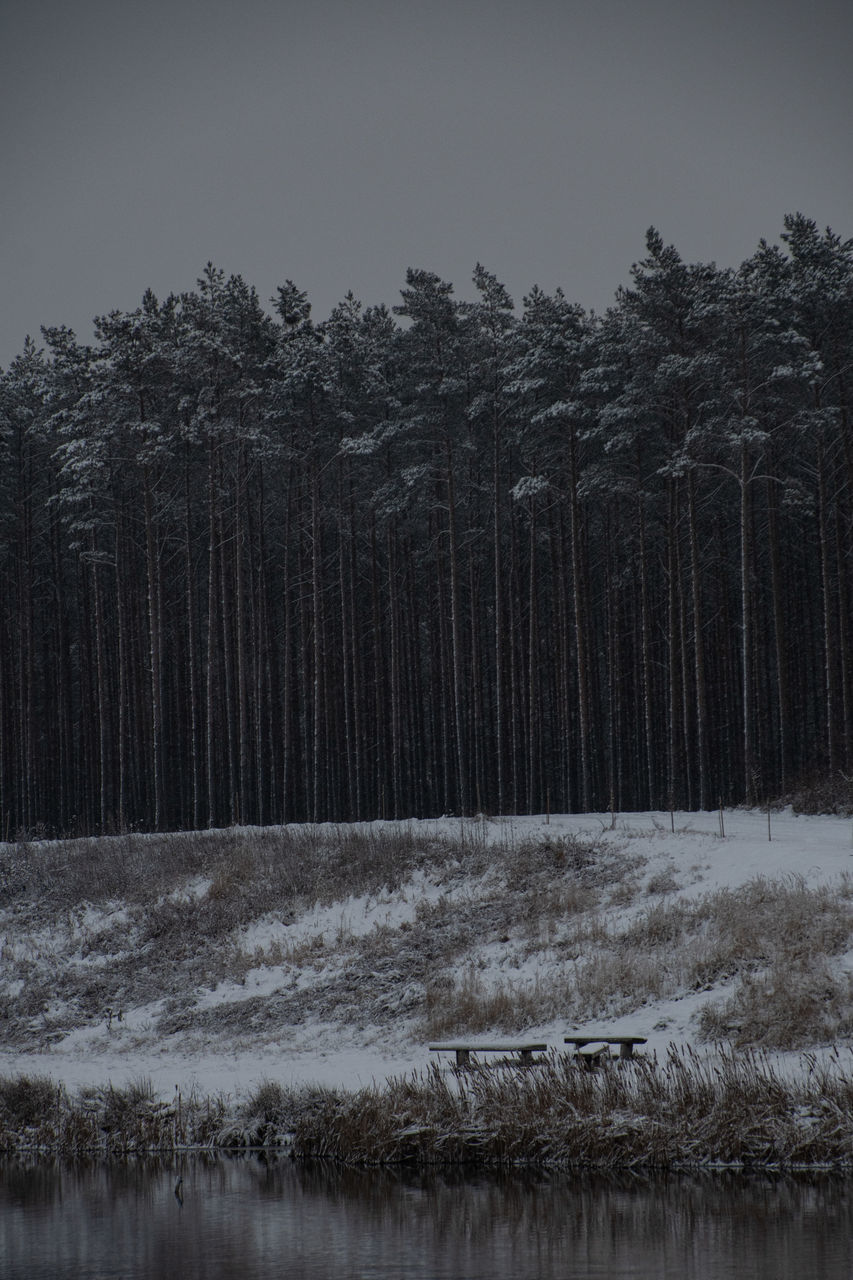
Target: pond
(247, 1218)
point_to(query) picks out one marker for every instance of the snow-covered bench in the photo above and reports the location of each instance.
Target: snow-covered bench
(464, 1049)
(592, 1047)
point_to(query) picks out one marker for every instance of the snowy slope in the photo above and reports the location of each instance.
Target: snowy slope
(368, 1027)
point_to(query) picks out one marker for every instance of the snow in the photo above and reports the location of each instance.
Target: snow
(685, 850)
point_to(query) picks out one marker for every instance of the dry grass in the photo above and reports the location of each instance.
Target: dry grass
(469, 1005)
(734, 1109)
(249, 871)
(790, 1005)
(663, 882)
(777, 937)
(685, 1112)
(764, 919)
(116, 922)
(615, 983)
(549, 859)
(111, 924)
(25, 1100)
(37, 1116)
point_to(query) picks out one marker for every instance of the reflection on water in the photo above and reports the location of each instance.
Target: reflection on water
(246, 1218)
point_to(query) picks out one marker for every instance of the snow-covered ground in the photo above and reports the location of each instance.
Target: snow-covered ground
(326, 947)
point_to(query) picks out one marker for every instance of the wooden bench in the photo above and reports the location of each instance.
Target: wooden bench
(626, 1044)
(464, 1050)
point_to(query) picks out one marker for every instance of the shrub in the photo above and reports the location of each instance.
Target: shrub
(833, 794)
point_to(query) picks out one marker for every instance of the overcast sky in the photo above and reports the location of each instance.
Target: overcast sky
(338, 143)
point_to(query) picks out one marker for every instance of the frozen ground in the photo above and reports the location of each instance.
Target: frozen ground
(346, 990)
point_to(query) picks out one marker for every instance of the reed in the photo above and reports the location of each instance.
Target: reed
(38, 1116)
(729, 1108)
(733, 1109)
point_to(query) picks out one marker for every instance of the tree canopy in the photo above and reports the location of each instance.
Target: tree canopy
(255, 568)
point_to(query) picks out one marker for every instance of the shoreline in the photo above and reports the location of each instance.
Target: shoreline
(730, 1112)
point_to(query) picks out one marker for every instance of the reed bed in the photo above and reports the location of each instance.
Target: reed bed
(38, 1116)
(727, 1109)
(730, 1109)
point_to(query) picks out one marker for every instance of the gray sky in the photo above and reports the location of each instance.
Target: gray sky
(338, 143)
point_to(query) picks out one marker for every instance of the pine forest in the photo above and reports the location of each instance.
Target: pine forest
(446, 557)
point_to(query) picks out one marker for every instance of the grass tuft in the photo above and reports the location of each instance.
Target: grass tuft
(26, 1100)
(787, 1006)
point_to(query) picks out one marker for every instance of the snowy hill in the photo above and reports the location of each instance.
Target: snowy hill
(335, 954)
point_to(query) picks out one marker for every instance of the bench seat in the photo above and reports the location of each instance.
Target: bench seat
(464, 1048)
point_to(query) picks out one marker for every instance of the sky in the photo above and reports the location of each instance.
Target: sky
(337, 143)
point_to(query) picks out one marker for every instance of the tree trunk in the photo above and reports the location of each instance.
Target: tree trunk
(456, 640)
(213, 781)
(748, 726)
(705, 801)
(829, 668)
(580, 620)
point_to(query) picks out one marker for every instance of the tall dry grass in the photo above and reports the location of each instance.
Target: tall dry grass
(36, 1115)
(732, 1109)
(789, 1004)
(775, 938)
(735, 1110)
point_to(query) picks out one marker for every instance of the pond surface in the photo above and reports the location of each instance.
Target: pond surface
(246, 1218)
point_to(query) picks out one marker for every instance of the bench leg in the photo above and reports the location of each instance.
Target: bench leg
(463, 1057)
(626, 1050)
(526, 1056)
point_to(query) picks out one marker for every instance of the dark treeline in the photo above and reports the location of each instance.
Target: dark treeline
(256, 569)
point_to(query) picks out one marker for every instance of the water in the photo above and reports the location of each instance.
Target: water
(245, 1218)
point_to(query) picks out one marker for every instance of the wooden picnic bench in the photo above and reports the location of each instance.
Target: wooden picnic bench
(626, 1043)
(464, 1050)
